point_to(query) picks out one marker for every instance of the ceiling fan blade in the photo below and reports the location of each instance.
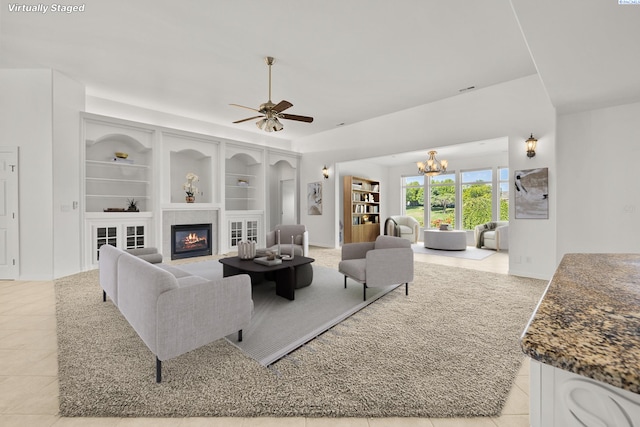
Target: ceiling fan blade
(242, 106)
(305, 119)
(281, 106)
(250, 118)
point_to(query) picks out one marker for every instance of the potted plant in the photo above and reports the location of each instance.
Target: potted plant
(190, 188)
(132, 205)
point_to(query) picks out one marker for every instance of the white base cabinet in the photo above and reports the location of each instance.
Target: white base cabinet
(245, 227)
(563, 399)
(124, 233)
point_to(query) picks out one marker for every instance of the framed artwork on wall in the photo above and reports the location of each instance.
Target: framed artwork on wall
(532, 193)
(314, 198)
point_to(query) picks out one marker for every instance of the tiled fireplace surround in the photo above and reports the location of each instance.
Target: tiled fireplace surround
(190, 216)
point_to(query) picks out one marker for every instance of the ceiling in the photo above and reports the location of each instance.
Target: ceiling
(339, 61)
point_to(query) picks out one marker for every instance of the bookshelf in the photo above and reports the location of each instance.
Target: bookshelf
(361, 209)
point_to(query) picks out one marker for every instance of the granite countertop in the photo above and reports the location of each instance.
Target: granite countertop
(588, 320)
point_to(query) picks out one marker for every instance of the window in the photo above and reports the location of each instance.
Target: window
(503, 195)
(442, 200)
(413, 189)
(477, 198)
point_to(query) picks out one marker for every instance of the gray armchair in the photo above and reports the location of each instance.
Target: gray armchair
(300, 239)
(387, 261)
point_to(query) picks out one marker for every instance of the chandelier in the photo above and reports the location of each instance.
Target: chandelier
(432, 166)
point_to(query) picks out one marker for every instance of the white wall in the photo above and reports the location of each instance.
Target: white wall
(513, 110)
(598, 193)
(49, 175)
(68, 101)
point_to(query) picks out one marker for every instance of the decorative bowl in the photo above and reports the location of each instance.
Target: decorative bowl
(121, 155)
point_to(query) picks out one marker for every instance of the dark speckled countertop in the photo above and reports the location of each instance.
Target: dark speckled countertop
(588, 321)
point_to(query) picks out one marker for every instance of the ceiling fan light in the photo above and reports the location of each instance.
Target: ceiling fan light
(270, 124)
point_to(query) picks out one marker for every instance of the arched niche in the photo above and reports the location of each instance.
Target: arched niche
(244, 182)
(187, 161)
(105, 148)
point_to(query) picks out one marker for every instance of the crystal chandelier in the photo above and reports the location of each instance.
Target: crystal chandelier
(432, 166)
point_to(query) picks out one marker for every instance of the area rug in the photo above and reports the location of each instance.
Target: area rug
(448, 349)
(279, 326)
(470, 253)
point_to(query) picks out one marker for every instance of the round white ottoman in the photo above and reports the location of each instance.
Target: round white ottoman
(450, 240)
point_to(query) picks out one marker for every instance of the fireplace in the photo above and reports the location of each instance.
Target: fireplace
(190, 240)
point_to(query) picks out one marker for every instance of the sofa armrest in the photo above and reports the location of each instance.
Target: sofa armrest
(502, 237)
(305, 243)
(108, 270)
(271, 239)
(356, 250)
(389, 266)
(197, 314)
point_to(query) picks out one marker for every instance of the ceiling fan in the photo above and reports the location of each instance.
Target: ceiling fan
(270, 112)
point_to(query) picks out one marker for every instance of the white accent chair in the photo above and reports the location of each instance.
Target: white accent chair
(493, 235)
(387, 261)
(409, 227)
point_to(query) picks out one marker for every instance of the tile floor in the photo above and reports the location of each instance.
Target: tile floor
(29, 383)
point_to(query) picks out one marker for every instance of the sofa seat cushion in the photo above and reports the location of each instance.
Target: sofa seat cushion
(285, 249)
(405, 230)
(354, 268)
(489, 235)
(190, 281)
(177, 272)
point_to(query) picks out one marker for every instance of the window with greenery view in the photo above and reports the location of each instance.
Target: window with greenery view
(503, 196)
(442, 200)
(413, 189)
(477, 199)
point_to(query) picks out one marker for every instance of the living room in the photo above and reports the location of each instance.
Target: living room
(579, 97)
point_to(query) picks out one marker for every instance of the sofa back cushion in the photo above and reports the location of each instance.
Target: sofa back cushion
(289, 230)
(390, 242)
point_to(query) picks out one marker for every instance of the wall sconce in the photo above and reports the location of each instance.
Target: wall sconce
(325, 172)
(531, 146)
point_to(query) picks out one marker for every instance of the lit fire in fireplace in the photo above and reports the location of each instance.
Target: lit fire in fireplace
(193, 241)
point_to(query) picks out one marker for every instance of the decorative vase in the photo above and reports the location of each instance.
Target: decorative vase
(190, 199)
(247, 250)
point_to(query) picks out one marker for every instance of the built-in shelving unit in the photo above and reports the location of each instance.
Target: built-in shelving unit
(361, 200)
(118, 169)
(240, 187)
(111, 182)
(242, 190)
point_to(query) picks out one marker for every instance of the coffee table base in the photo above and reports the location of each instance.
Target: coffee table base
(285, 274)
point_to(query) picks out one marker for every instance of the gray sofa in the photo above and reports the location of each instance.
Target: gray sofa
(387, 261)
(173, 311)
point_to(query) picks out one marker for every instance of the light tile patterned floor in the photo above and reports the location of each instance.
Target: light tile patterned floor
(29, 383)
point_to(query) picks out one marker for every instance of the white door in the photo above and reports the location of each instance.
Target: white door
(9, 239)
(287, 202)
